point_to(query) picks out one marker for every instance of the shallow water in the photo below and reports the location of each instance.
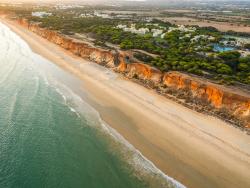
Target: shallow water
(219, 48)
(50, 137)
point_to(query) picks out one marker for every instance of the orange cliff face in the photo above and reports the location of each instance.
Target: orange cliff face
(135, 68)
(198, 89)
(219, 97)
(79, 48)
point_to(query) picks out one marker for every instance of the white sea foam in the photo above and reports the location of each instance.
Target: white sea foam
(137, 160)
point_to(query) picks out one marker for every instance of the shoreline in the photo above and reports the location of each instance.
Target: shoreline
(206, 141)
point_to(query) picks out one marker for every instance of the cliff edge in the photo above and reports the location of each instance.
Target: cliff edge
(197, 93)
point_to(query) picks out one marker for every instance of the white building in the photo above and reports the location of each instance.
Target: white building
(64, 7)
(200, 37)
(41, 14)
(188, 35)
(86, 15)
(120, 26)
(163, 35)
(182, 28)
(142, 31)
(132, 29)
(123, 16)
(211, 38)
(156, 32)
(236, 43)
(102, 15)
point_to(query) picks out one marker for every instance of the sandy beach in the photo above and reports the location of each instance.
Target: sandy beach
(195, 149)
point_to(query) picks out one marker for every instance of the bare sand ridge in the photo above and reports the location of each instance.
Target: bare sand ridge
(221, 26)
(197, 150)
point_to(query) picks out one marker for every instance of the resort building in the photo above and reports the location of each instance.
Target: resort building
(41, 14)
(132, 29)
(182, 28)
(156, 32)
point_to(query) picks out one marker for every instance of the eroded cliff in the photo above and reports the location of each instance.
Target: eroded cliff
(77, 47)
(237, 103)
(224, 101)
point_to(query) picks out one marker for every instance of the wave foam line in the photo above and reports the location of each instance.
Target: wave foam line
(138, 160)
(78, 106)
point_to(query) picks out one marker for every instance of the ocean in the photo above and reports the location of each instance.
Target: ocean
(51, 137)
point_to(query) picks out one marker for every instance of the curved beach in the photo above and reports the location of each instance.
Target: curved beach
(196, 149)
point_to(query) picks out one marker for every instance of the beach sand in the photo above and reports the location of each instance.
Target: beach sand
(195, 149)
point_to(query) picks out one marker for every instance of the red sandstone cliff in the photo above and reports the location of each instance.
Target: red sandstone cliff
(220, 97)
(236, 103)
(79, 48)
(133, 67)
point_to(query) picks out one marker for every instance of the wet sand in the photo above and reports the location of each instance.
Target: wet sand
(195, 149)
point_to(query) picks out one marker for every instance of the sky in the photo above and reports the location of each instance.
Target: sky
(105, 0)
(115, 1)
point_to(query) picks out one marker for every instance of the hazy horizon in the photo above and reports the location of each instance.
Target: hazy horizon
(151, 3)
(99, 1)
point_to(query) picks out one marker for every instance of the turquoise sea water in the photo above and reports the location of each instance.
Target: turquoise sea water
(50, 137)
